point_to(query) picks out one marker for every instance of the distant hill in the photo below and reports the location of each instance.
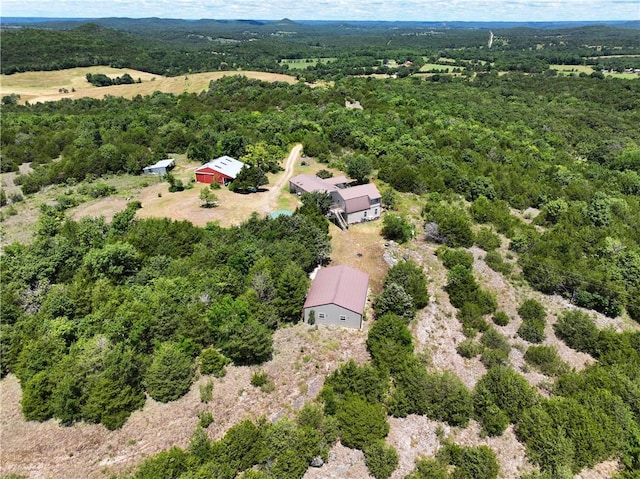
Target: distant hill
(176, 46)
(123, 23)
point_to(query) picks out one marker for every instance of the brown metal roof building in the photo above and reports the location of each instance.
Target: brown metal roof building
(353, 204)
(338, 296)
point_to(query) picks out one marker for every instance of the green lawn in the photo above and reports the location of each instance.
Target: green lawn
(302, 63)
(577, 69)
(440, 68)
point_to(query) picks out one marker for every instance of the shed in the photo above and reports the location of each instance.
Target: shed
(221, 170)
(338, 296)
(162, 167)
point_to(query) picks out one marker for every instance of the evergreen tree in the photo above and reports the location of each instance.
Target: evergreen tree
(170, 374)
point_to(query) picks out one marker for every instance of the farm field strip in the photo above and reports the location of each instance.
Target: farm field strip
(72, 83)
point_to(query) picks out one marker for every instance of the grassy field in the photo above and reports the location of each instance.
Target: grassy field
(577, 69)
(427, 67)
(48, 86)
(303, 63)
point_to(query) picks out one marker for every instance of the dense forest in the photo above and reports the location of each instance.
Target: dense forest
(96, 315)
(173, 47)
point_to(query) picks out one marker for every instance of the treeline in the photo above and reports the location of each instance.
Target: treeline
(95, 315)
(171, 47)
(100, 79)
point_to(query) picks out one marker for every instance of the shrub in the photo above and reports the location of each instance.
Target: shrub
(469, 348)
(259, 378)
(470, 315)
(497, 348)
(213, 362)
(506, 389)
(449, 399)
(439, 396)
(429, 469)
(473, 462)
(494, 357)
(169, 464)
(501, 318)
(354, 379)
(531, 331)
(395, 227)
(16, 197)
(451, 257)
(412, 279)
(487, 239)
(205, 419)
(493, 419)
(495, 261)
(461, 286)
(361, 423)
(381, 459)
(578, 331)
(206, 392)
(532, 310)
(546, 360)
(533, 317)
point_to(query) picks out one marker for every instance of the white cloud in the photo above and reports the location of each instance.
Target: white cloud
(425, 10)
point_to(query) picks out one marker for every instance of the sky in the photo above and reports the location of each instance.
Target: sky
(410, 10)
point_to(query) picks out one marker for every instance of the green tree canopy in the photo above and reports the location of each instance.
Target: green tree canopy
(170, 374)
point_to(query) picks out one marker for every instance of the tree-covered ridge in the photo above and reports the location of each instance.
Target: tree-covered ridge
(567, 146)
(96, 314)
(173, 47)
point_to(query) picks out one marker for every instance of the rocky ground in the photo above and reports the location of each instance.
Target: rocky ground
(303, 358)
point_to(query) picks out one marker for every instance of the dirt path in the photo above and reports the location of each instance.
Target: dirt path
(270, 199)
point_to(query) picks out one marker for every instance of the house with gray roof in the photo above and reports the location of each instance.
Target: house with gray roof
(351, 204)
(360, 203)
(337, 297)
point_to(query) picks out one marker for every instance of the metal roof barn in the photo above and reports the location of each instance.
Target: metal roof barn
(221, 170)
(338, 296)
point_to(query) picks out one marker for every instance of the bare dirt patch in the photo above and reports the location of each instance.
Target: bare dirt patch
(232, 208)
(46, 86)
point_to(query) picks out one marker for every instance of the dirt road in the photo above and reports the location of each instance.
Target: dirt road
(270, 202)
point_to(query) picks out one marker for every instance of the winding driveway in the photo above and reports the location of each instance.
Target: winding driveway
(271, 197)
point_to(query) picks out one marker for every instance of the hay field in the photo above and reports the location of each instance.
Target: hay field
(45, 86)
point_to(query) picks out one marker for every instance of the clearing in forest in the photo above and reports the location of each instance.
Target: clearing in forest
(45, 86)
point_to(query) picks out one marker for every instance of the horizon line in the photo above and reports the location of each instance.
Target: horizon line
(320, 20)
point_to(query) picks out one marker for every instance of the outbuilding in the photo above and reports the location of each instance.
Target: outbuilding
(337, 297)
(162, 167)
(221, 170)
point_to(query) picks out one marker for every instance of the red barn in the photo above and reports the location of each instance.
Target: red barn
(221, 170)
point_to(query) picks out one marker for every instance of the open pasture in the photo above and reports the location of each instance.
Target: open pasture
(303, 63)
(72, 83)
